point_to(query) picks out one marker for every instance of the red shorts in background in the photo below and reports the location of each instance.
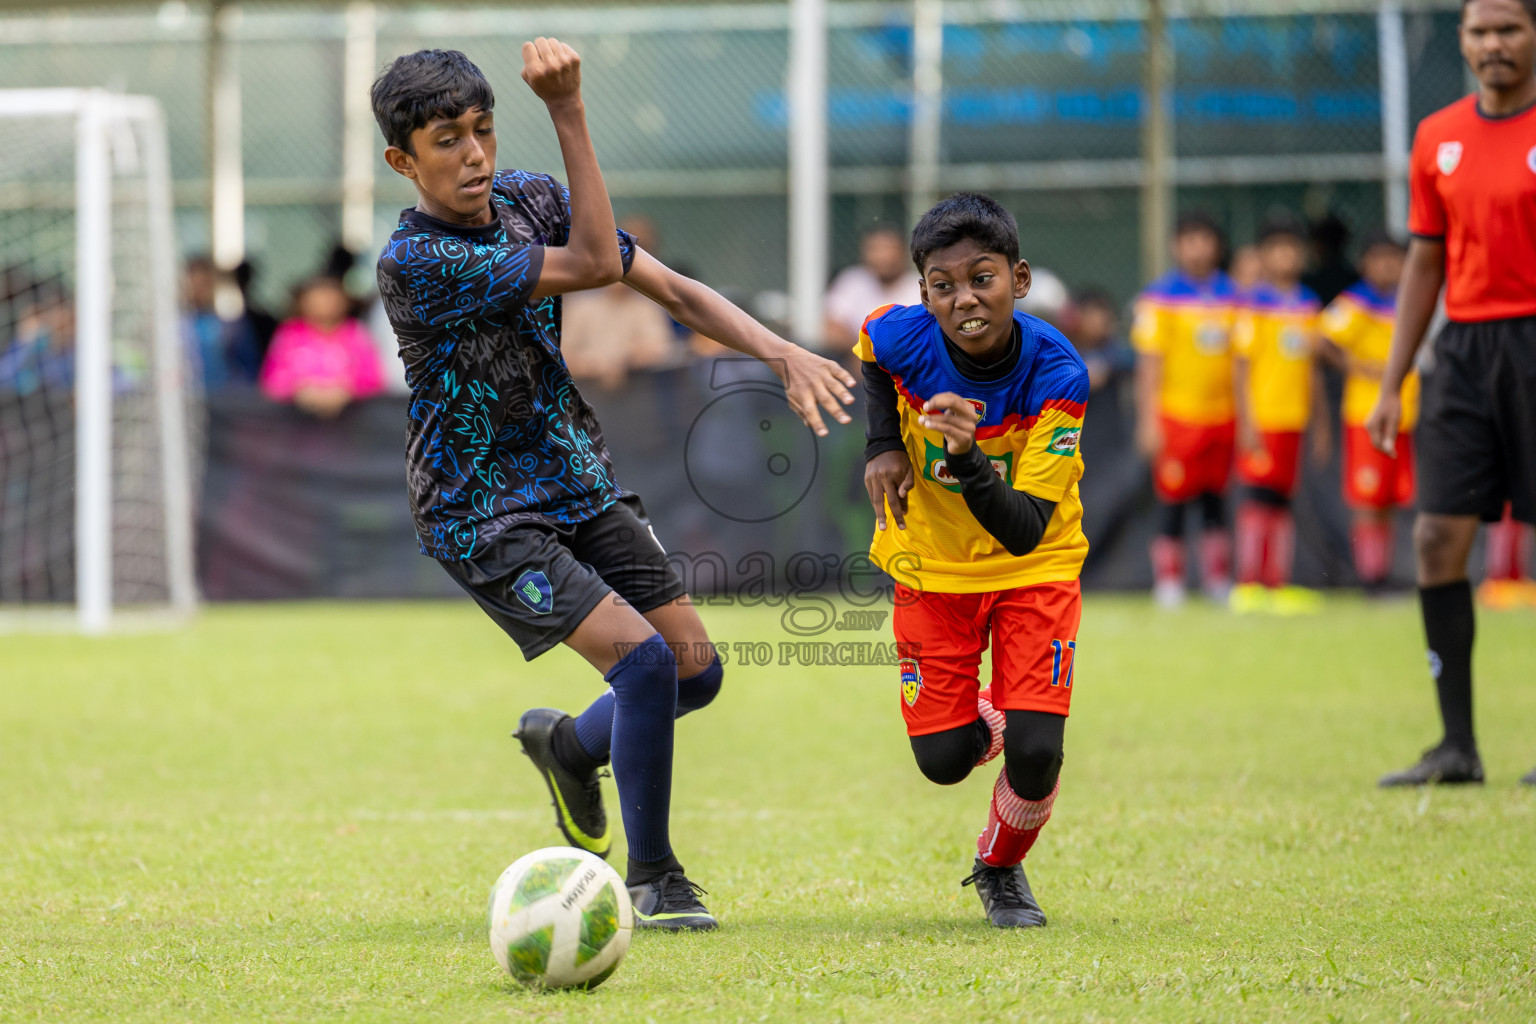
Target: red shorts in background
(1274, 463)
(942, 637)
(1373, 479)
(1196, 459)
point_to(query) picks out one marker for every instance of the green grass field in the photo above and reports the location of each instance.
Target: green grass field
(294, 813)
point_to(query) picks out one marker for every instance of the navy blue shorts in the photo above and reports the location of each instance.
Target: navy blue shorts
(538, 581)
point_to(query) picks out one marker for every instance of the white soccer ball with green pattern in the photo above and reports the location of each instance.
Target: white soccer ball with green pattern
(560, 917)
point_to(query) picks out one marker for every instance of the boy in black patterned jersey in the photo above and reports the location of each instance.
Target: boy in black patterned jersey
(510, 482)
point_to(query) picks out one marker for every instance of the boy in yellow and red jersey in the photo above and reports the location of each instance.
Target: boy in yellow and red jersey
(1357, 335)
(1277, 383)
(975, 412)
(1182, 336)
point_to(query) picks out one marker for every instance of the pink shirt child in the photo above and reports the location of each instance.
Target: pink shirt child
(302, 355)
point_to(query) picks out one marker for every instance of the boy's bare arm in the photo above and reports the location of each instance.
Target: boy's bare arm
(1149, 383)
(590, 258)
(812, 383)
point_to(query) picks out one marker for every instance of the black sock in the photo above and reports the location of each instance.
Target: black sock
(641, 872)
(1449, 623)
(569, 751)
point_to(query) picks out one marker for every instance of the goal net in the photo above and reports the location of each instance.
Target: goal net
(95, 457)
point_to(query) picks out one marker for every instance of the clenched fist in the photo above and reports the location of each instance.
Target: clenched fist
(552, 70)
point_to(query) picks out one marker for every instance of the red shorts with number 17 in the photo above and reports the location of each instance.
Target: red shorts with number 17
(941, 638)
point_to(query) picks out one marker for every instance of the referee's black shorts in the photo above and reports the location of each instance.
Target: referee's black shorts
(1476, 438)
(538, 581)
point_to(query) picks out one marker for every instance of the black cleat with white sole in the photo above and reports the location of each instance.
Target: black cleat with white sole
(1005, 896)
(578, 798)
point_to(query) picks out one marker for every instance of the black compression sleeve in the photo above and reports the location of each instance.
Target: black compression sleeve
(1016, 519)
(882, 431)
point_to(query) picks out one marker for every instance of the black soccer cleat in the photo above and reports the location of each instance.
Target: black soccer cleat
(578, 799)
(1439, 766)
(1005, 896)
(670, 902)
(1529, 778)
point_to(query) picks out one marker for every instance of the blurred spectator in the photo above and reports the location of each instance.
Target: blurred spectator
(322, 359)
(1097, 338)
(39, 353)
(1048, 298)
(1247, 268)
(226, 351)
(263, 324)
(610, 332)
(1332, 271)
(883, 275)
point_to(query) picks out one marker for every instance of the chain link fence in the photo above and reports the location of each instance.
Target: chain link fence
(1041, 103)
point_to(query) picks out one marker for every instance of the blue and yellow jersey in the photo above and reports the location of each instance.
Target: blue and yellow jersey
(1277, 334)
(1360, 322)
(1030, 424)
(1188, 323)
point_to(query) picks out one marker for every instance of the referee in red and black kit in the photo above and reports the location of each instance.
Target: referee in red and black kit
(1473, 221)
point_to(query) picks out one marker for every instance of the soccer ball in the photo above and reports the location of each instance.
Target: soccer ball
(560, 918)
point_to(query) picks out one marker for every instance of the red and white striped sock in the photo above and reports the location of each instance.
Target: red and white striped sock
(1505, 551)
(1168, 559)
(1252, 526)
(1013, 824)
(1372, 542)
(1280, 551)
(995, 721)
(1215, 558)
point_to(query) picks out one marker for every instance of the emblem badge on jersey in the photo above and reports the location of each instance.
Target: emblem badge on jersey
(979, 406)
(1293, 342)
(1448, 157)
(533, 589)
(1530, 159)
(935, 468)
(1064, 441)
(911, 680)
(1211, 339)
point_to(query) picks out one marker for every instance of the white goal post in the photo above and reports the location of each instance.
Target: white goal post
(96, 461)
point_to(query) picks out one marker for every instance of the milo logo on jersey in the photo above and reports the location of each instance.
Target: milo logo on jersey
(935, 469)
(1064, 441)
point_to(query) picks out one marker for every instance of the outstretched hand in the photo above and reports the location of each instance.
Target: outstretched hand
(812, 384)
(552, 70)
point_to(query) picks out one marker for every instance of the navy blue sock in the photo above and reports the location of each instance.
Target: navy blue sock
(644, 685)
(594, 726)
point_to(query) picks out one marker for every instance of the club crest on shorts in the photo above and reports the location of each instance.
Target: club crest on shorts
(911, 680)
(1448, 157)
(532, 588)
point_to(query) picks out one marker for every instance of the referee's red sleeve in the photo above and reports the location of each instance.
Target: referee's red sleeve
(1426, 210)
